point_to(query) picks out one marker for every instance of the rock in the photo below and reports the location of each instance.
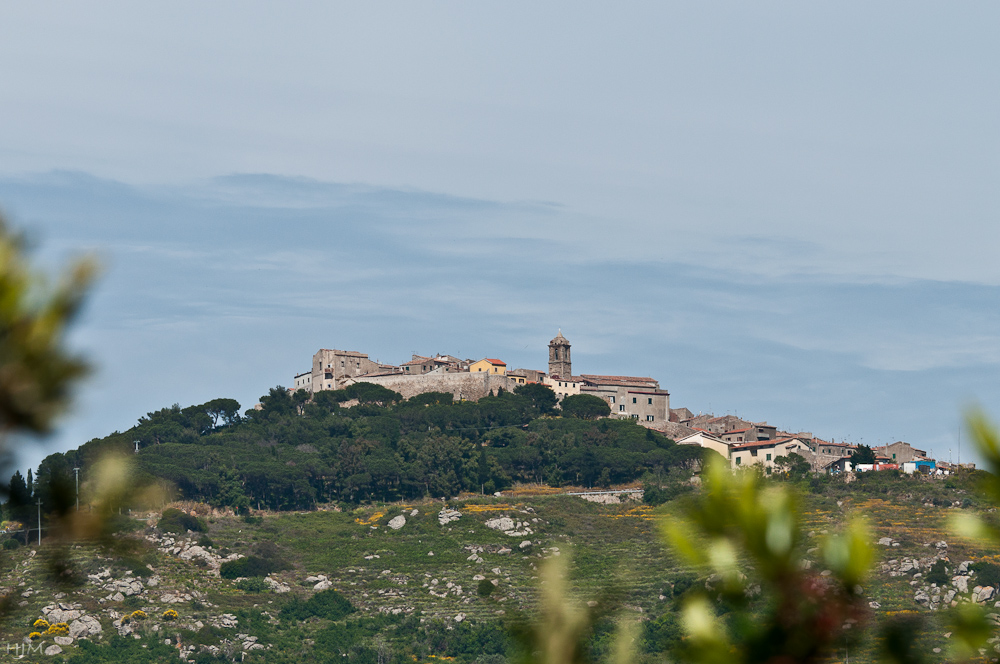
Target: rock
(941, 545)
(948, 596)
(85, 626)
(460, 617)
(397, 522)
(524, 545)
(118, 597)
(430, 553)
(985, 593)
(874, 605)
(446, 516)
(961, 583)
(921, 597)
(885, 541)
(53, 650)
(502, 523)
(323, 585)
(415, 512)
(315, 579)
(478, 577)
(963, 567)
(63, 640)
(275, 585)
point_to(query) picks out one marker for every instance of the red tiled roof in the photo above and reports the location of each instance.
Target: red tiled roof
(492, 361)
(763, 443)
(725, 433)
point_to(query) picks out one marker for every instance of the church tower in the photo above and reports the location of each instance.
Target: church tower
(559, 361)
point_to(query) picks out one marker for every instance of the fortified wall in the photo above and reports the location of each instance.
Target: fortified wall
(469, 386)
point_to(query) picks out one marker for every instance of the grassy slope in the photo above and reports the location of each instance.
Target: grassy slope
(615, 545)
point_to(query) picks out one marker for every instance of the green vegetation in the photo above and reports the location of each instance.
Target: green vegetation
(175, 521)
(295, 453)
(585, 406)
(328, 604)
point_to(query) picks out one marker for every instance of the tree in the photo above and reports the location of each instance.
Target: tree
(585, 407)
(36, 371)
(863, 454)
(370, 393)
(792, 466)
(542, 396)
(225, 410)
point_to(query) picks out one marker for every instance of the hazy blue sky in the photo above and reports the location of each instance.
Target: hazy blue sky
(784, 210)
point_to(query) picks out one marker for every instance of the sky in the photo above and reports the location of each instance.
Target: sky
(781, 210)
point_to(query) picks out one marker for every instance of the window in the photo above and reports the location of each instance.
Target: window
(739, 460)
(611, 399)
(893, 457)
(633, 400)
(649, 418)
(768, 457)
(650, 401)
(621, 408)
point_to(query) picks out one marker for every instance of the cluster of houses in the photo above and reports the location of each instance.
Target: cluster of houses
(742, 442)
(746, 443)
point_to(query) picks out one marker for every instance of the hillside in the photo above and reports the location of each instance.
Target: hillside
(294, 454)
(417, 588)
(356, 527)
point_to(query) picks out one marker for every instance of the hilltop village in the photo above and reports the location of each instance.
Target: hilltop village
(744, 443)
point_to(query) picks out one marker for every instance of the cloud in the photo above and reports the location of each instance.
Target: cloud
(226, 287)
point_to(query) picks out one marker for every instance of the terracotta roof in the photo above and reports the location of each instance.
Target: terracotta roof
(726, 433)
(763, 443)
(492, 361)
(618, 380)
(419, 360)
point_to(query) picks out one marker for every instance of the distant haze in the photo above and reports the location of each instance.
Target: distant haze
(787, 211)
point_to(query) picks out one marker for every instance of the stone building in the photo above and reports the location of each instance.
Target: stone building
(630, 397)
(900, 452)
(330, 368)
(303, 381)
(766, 452)
(560, 363)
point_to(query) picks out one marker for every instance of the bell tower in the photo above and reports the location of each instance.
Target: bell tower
(559, 359)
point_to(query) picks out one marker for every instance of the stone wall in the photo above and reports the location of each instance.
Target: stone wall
(469, 386)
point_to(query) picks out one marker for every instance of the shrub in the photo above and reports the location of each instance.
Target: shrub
(205, 542)
(57, 629)
(170, 614)
(252, 585)
(248, 567)
(252, 520)
(34, 636)
(938, 574)
(987, 574)
(485, 588)
(175, 521)
(328, 604)
(10, 544)
(41, 623)
(139, 614)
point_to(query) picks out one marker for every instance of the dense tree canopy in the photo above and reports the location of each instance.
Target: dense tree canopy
(585, 406)
(293, 452)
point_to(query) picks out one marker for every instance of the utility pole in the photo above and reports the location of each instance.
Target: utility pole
(136, 446)
(39, 522)
(76, 471)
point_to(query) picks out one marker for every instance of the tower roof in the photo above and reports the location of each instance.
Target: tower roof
(560, 339)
